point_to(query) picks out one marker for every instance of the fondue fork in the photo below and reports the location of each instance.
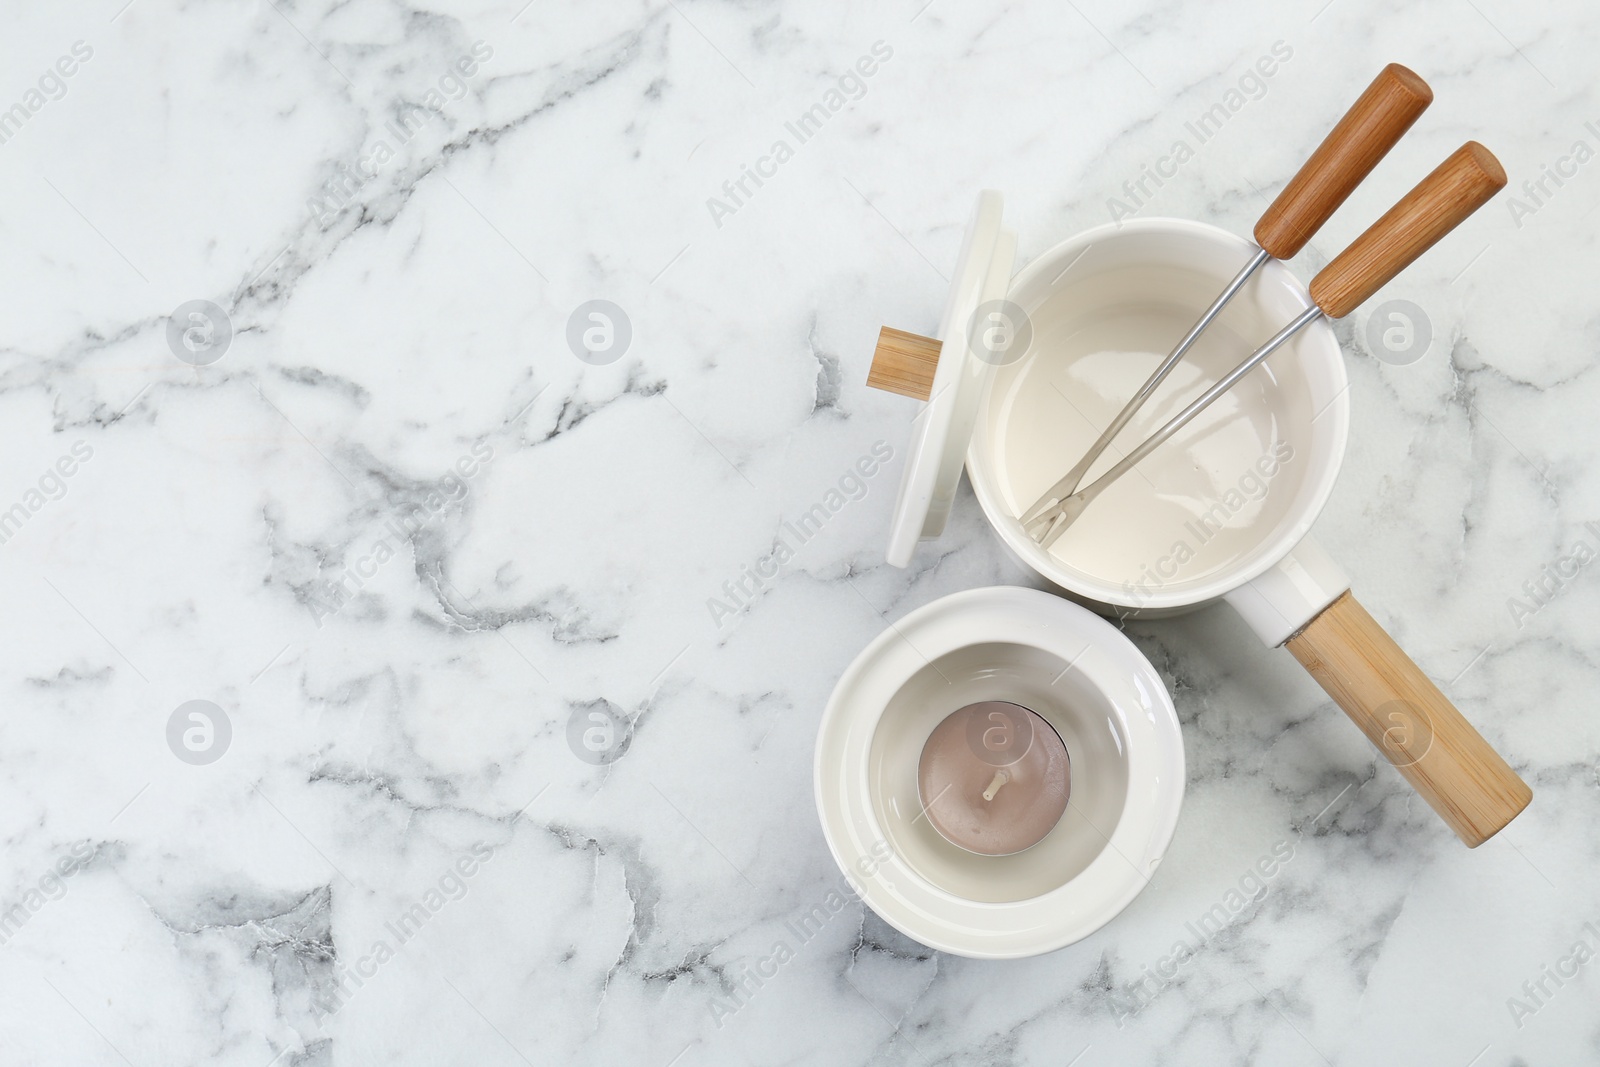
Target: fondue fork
(1438, 204)
(1372, 126)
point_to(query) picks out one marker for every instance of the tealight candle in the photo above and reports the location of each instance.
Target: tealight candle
(994, 778)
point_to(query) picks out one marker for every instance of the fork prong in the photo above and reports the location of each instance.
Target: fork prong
(1040, 512)
(1071, 508)
(1039, 526)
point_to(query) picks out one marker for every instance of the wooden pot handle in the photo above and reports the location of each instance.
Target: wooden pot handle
(1378, 119)
(1439, 203)
(1410, 721)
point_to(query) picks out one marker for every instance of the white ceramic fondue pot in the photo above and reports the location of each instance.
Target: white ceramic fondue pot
(1222, 511)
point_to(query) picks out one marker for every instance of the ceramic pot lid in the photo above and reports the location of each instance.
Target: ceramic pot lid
(942, 430)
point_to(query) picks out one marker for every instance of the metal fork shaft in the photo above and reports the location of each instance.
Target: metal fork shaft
(1071, 507)
(1069, 484)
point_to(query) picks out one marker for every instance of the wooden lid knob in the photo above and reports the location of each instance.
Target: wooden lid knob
(904, 363)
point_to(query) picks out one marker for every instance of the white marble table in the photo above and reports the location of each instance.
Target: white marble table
(408, 547)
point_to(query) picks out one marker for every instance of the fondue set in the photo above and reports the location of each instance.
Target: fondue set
(1152, 415)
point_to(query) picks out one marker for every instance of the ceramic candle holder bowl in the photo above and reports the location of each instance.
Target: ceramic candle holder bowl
(1093, 687)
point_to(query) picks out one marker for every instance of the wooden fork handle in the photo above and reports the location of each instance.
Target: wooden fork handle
(1440, 202)
(1378, 119)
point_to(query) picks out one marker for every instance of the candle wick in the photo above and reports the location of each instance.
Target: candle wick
(1000, 779)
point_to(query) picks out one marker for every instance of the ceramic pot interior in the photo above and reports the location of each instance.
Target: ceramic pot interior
(1231, 492)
